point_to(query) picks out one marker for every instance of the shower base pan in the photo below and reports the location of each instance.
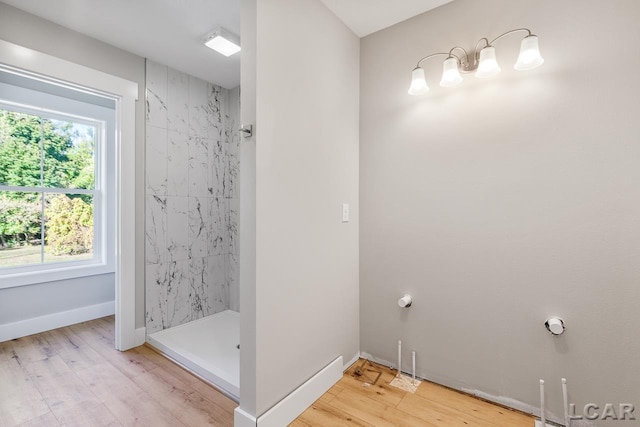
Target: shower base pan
(208, 347)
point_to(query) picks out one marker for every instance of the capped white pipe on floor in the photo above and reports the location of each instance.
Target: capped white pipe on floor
(543, 416)
(399, 357)
(565, 397)
(413, 360)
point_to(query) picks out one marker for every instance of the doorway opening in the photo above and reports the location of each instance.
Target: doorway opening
(69, 150)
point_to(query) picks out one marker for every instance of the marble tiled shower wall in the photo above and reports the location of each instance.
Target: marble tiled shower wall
(191, 224)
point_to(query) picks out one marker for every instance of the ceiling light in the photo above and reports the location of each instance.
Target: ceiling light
(223, 42)
(483, 62)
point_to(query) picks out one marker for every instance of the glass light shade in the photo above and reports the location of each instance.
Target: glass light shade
(418, 82)
(529, 57)
(450, 73)
(488, 66)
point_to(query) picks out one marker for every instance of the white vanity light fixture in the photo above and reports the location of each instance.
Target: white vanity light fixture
(223, 41)
(483, 62)
(450, 73)
(418, 82)
(487, 64)
(529, 57)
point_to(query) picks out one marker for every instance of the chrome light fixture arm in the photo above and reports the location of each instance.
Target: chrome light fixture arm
(510, 32)
(476, 51)
(464, 62)
(437, 54)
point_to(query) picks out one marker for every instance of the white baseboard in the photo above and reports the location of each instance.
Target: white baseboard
(36, 325)
(140, 336)
(288, 409)
(243, 419)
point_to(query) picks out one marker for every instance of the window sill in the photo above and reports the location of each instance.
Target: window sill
(53, 274)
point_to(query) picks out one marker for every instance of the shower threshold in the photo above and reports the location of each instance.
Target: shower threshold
(208, 347)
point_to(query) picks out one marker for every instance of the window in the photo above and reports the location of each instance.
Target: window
(47, 186)
(55, 183)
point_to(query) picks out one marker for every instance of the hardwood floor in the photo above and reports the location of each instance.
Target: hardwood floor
(351, 402)
(73, 376)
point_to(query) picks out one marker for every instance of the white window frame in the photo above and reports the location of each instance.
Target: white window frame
(125, 95)
(103, 119)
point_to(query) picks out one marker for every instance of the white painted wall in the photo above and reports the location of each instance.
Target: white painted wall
(30, 31)
(503, 201)
(306, 157)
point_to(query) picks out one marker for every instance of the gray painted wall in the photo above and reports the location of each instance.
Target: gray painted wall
(503, 201)
(247, 230)
(27, 302)
(306, 157)
(33, 32)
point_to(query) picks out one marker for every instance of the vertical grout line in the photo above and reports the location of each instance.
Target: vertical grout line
(188, 185)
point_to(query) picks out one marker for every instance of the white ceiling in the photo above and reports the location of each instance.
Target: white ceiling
(166, 31)
(368, 16)
(171, 31)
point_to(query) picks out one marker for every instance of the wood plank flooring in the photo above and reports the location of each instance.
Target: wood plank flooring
(351, 402)
(73, 376)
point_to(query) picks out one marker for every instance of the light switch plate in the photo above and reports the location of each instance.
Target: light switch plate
(345, 212)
